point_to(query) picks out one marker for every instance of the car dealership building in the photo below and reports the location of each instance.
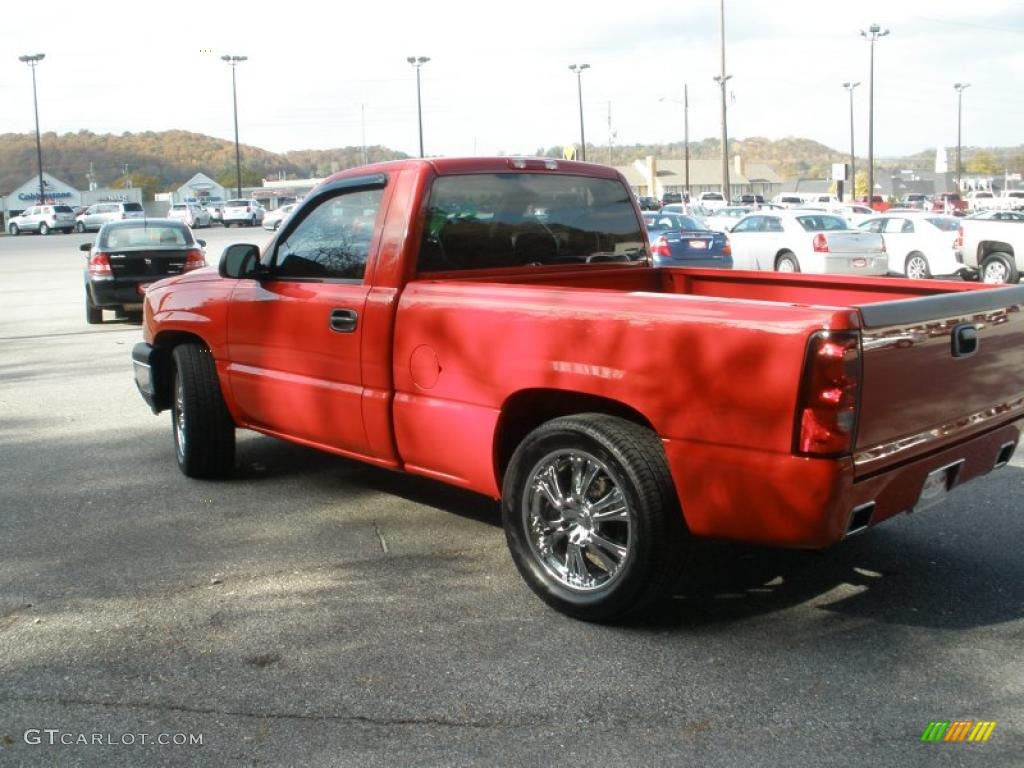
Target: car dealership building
(58, 192)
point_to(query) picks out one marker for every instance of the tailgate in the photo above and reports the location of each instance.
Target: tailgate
(923, 388)
(854, 242)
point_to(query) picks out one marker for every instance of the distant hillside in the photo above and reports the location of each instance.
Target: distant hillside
(158, 161)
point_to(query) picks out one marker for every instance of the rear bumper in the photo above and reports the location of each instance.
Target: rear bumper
(782, 500)
(150, 366)
(119, 292)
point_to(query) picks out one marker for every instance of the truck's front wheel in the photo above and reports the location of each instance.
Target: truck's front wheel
(591, 516)
(204, 433)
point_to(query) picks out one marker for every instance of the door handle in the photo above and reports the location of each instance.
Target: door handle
(344, 320)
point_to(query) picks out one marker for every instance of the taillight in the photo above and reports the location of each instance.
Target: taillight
(959, 241)
(829, 394)
(727, 248)
(820, 243)
(660, 248)
(99, 266)
(194, 260)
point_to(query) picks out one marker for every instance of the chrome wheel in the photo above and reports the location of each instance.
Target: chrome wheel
(917, 267)
(579, 522)
(179, 417)
(995, 272)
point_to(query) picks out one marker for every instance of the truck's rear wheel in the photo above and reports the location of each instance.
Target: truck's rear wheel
(204, 434)
(591, 516)
(999, 267)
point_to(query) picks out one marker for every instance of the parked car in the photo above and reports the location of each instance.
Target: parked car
(806, 241)
(723, 219)
(919, 245)
(993, 249)
(994, 215)
(192, 214)
(914, 201)
(712, 201)
(671, 198)
(788, 200)
(751, 200)
(43, 219)
(854, 213)
(949, 202)
(247, 213)
(215, 210)
(630, 412)
(1012, 200)
(682, 241)
(95, 216)
(980, 200)
(821, 199)
(128, 256)
(877, 203)
(648, 203)
(273, 219)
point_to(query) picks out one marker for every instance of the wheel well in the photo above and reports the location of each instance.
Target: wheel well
(782, 252)
(526, 410)
(163, 364)
(991, 246)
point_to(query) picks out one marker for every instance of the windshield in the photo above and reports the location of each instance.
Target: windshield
(490, 220)
(945, 223)
(143, 236)
(822, 223)
(237, 204)
(133, 206)
(63, 209)
(711, 196)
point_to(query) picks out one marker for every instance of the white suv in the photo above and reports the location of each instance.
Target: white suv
(712, 201)
(43, 219)
(245, 212)
(98, 214)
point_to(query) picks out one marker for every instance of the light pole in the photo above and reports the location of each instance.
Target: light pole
(686, 137)
(417, 62)
(721, 80)
(873, 34)
(853, 167)
(32, 61)
(233, 62)
(959, 88)
(578, 70)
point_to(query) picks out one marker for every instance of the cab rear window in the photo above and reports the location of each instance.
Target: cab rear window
(483, 221)
(133, 206)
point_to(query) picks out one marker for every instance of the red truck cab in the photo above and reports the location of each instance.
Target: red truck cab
(496, 324)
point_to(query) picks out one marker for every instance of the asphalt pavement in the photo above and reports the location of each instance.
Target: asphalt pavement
(312, 611)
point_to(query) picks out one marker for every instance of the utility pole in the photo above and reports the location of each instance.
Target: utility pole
(686, 139)
(233, 62)
(417, 62)
(876, 33)
(959, 88)
(32, 61)
(578, 70)
(853, 167)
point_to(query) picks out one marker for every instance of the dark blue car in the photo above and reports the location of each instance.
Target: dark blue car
(682, 241)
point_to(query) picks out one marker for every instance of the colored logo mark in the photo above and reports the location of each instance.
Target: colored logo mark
(958, 730)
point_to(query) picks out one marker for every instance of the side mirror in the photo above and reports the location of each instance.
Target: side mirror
(85, 247)
(240, 261)
(201, 242)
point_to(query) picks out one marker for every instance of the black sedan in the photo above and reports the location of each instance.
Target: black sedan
(129, 255)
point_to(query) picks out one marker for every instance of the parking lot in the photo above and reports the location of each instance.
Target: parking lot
(318, 612)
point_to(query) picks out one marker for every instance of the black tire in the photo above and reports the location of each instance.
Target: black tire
(917, 263)
(653, 541)
(14, 230)
(43, 229)
(204, 434)
(79, 227)
(999, 267)
(67, 231)
(252, 222)
(784, 259)
(93, 314)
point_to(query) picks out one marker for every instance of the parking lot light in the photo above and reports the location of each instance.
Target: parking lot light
(32, 60)
(686, 136)
(233, 62)
(578, 70)
(721, 80)
(959, 88)
(853, 160)
(872, 35)
(417, 62)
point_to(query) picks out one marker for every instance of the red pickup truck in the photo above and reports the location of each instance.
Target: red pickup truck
(497, 324)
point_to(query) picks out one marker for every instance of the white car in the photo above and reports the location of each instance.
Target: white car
(43, 219)
(723, 219)
(920, 245)
(98, 214)
(274, 218)
(806, 241)
(788, 200)
(712, 201)
(247, 213)
(193, 215)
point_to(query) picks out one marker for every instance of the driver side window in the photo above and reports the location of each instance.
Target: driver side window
(748, 225)
(333, 241)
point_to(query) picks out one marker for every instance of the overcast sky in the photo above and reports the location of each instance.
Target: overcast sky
(498, 79)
